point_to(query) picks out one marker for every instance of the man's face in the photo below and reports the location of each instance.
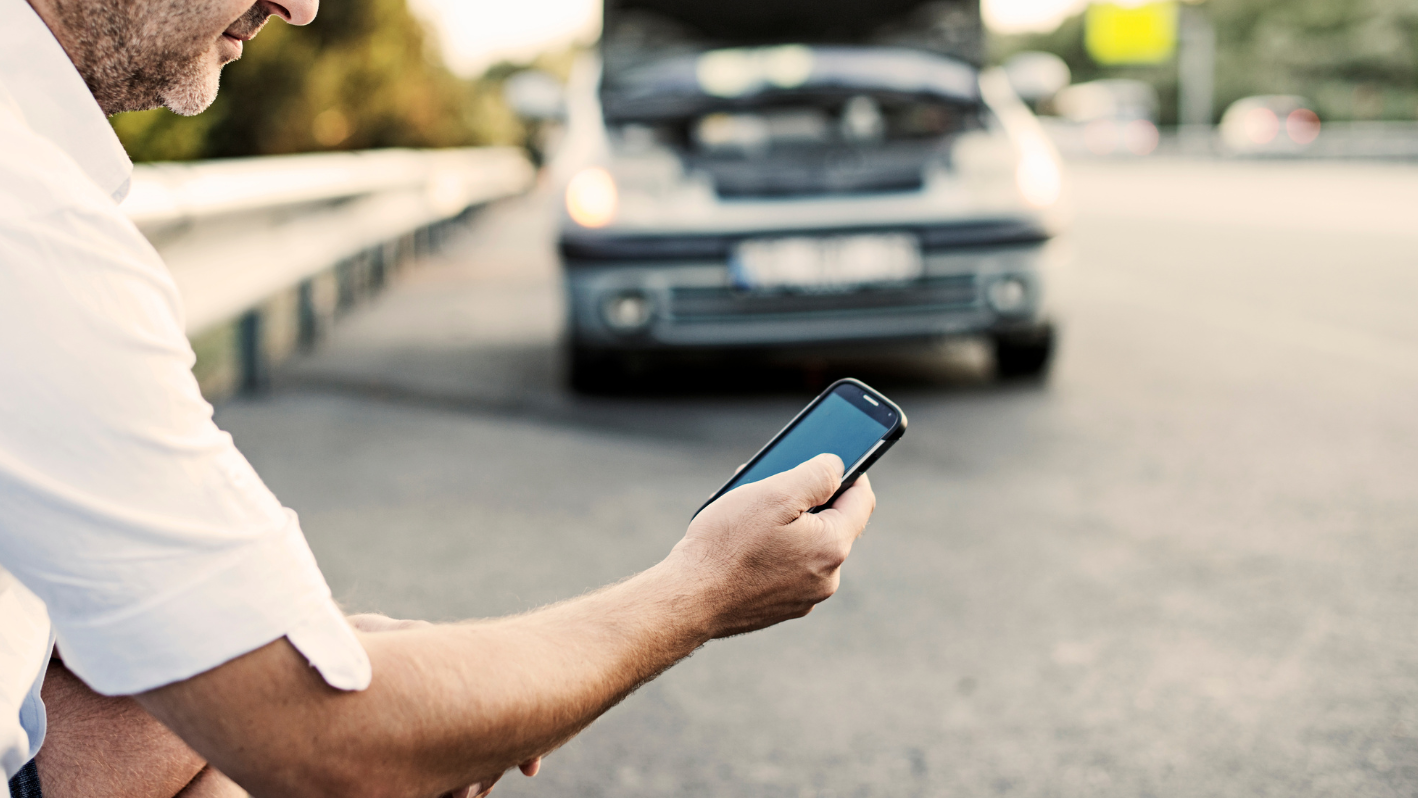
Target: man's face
(141, 54)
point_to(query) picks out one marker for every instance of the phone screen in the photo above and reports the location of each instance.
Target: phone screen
(846, 423)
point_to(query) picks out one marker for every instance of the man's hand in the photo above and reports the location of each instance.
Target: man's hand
(761, 557)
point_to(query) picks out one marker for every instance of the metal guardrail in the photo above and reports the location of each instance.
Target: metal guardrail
(266, 250)
(1378, 141)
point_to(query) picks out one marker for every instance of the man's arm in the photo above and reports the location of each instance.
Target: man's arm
(454, 705)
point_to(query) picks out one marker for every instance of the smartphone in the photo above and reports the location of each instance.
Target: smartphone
(849, 419)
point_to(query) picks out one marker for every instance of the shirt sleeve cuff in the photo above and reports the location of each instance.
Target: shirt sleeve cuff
(272, 590)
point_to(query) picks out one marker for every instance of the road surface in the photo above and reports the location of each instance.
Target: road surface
(1186, 566)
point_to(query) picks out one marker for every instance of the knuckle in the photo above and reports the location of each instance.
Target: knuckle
(779, 501)
(834, 554)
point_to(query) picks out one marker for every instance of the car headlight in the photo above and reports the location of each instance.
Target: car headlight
(1303, 126)
(1039, 179)
(592, 198)
(1261, 125)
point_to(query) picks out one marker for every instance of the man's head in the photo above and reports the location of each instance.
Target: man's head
(141, 54)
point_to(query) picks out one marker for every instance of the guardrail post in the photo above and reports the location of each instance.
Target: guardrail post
(345, 285)
(307, 320)
(255, 370)
(393, 260)
(378, 269)
(406, 250)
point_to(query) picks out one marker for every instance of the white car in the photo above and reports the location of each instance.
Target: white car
(1271, 124)
(771, 176)
(1112, 117)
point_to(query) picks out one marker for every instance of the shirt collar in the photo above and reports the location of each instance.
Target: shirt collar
(55, 101)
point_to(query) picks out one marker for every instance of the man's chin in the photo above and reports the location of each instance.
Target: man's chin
(193, 96)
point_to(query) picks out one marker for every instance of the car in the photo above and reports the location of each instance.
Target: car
(780, 175)
(1113, 117)
(1268, 125)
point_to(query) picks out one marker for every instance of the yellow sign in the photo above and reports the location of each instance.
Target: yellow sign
(1131, 34)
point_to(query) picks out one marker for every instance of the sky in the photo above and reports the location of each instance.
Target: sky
(1029, 16)
(478, 33)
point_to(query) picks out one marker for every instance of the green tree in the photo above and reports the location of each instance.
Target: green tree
(365, 74)
(1354, 59)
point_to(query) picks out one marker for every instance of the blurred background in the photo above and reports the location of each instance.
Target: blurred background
(380, 73)
(495, 296)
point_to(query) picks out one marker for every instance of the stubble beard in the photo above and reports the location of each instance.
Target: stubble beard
(136, 55)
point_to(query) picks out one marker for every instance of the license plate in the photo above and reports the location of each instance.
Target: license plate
(826, 262)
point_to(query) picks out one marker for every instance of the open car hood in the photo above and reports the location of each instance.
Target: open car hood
(669, 86)
(634, 29)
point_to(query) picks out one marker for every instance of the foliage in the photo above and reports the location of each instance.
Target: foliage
(1354, 59)
(365, 73)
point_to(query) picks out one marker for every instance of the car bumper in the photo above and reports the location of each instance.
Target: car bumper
(693, 305)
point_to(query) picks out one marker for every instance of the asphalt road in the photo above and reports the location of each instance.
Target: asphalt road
(1188, 565)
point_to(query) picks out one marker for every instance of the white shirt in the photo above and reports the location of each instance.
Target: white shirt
(131, 528)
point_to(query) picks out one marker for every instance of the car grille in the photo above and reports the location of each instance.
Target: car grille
(707, 304)
(749, 180)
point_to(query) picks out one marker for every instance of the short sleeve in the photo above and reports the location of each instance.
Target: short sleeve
(157, 550)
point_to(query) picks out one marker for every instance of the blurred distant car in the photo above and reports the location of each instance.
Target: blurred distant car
(1272, 124)
(863, 185)
(1037, 76)
(1107, 117)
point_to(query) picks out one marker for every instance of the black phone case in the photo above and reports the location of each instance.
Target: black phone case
(851, 479)
(892, 436)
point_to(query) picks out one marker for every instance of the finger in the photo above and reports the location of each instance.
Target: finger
(531, 767)
(811, 483)
(485, 787)
(848, 516)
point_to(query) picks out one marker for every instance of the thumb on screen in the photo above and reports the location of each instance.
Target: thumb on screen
(809, 484)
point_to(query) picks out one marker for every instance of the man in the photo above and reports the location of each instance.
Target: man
(198, 638)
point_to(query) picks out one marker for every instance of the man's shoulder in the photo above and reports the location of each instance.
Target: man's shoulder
(37, 178)
(63, 239)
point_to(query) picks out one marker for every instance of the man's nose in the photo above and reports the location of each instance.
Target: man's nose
(296, 12)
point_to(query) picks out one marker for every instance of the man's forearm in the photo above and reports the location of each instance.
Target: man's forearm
(449, 705)
(456, 705)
